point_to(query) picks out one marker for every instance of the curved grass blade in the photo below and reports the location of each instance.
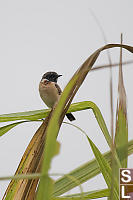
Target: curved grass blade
(5, 129)
(121, 135)
(73, 108)
(106, 66)
(29, 115)
(86, 195)
(105, 169)
(102, 124)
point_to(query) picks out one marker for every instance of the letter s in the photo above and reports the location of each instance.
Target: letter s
(126, 173)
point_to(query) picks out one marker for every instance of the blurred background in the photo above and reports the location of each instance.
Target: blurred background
(40, 36)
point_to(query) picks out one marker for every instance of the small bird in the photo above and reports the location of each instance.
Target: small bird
(50, 91)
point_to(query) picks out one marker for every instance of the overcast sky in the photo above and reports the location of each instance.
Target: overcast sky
(40, 36)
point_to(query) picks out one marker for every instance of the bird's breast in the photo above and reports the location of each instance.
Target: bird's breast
(49, 93)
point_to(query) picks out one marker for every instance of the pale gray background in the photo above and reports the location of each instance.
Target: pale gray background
(39, 36)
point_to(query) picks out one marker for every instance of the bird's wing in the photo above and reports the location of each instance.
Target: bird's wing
(58, 88)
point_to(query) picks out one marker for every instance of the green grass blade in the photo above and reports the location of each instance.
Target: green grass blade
(121, 135)
(29, 115)
(5, 129)
(86, 195)
(121, 139)
(105, 169)
(39, 114)
(83, 173)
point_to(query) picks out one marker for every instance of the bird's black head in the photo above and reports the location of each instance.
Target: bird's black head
(51, 76)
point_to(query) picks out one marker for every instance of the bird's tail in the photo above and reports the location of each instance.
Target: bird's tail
(70, 116)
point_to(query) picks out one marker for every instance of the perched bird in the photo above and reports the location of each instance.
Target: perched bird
(50, 91)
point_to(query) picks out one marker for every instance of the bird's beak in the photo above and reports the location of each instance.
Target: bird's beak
(59, 76)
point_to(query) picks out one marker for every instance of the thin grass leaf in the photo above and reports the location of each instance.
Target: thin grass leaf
(91, 105)
(73, 108)
(104, 66)
(18, 177)
(101, 122)
(5, 129)
(105, 169)
(86, 195)
(29, 115)
(39, 114)
(121, 136)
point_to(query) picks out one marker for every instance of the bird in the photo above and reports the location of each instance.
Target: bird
(50, 91)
